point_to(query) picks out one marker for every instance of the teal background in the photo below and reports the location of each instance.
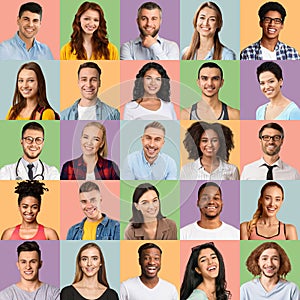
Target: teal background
(8, 77)
(230, 32)
(111, 10)
(190, 92)
(290, 247)
(13, 149)
(169, 194)
(111, 253)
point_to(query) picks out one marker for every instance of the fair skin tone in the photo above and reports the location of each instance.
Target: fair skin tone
(270, 31)
(31, 151)
(149, 24)
(148, 205)
(152, 140)
(91, 141)
(267, 225)
(89, 286)
(210, 107)
(89, 83)
(29, 209)
(210, 204)
(28, 265)
(150, 262)
(89, 22)
(29, 24)
(208, 267)
(271, 87)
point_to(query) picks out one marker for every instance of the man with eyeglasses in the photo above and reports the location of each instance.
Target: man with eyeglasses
(270, 166)
(271, 15)
(29, 166)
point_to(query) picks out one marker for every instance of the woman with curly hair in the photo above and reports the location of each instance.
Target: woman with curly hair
(89, 38)
(264, 224)
(209, 146)
(205, 43)
(151, 95)
(30, 97)
(90, 280)
(29, 202)
(204, 276)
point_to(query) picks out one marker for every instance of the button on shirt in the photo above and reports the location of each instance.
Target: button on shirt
(136, 167)
(162, 49)
(15, 49)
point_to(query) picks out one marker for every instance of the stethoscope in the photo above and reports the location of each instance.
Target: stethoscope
(37, 175)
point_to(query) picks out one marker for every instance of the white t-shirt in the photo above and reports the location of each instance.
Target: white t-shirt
(267, 54)
(87, 113)
(194, 232)
(134, 289)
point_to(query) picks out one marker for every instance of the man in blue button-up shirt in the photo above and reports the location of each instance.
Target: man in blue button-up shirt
(24, 46)
(96, 225)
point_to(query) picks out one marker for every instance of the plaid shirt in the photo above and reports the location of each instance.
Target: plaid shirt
(283, 52)
(76, 169)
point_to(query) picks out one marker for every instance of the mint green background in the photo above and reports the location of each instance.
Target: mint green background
(190, 92)
(12, 151)
(169, 193)
(111, 253)
(290, 247)
(111, 10)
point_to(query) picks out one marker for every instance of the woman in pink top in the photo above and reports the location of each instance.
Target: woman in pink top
(264, 224)
(29, 202)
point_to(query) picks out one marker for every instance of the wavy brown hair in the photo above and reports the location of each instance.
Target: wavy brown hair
(99, 38)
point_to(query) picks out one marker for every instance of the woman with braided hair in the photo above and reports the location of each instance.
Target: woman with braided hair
(29, 202)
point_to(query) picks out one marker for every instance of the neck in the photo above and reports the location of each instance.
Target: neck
(278, 100)
(150, 223)
(87, 103)
(28, 42)
(90, 159)
(29, 286)
(206, 42)
(268, 221)
(87, 38)
(270, 159)
(269, 282)
(100, 217)
(89, 282)
(148, 97)
(209, 160)
(209, 287)
(208, 223)
(30, 160)
(31, 103)
(213, 101)
(149, 282)
(26, 225)
(269, 43)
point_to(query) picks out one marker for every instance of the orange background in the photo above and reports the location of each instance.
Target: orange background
(234, 154)
(49, 214)
(71, 212)
(170, 262)
(250, 31)
(110, 78)
(129, 70)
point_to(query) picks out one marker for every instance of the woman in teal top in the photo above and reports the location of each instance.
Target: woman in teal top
(204, 277)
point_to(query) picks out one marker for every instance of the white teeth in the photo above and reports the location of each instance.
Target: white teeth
(211, 268)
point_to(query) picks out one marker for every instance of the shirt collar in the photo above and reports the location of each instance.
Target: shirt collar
(145, 161)
(138, 40)
(21, 42)
(277, 163)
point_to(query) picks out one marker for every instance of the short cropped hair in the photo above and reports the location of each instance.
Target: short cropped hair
(149, 6)
(148, 246)
(91, 65)
(252, 260)
(271, 6)
(29, 246)
(271, 67)
(207, 184)
(210, 65)
(89, 186)
(33, 126)
(32, 7)
(273, 126)
(156, 125)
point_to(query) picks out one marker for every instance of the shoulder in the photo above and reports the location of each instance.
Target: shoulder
(48, 114)
(51, 290)
(197, 295)
(228, 54)
(6, 235)
(113, 51)
(65, 51)
(260, 112)
(50, 233)
(8, 293)
(185, 113)
(228, 227)
(167, 284)
(291, 232)
(129, 232)
(67, 291)
(234, 114)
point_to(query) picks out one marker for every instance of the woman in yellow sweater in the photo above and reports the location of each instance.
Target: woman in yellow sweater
(89, 38)
(30, 97)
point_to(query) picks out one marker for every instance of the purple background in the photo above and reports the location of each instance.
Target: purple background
(189, 211)
(49, 271)
(170, 20)
(251, 95)
(70, 133)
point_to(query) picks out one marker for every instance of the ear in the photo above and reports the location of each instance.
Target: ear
(40, 264)
(136, 205)
(260, 24)
(17, 264)
(198, 270)
(281, 82)
(99, 82)
(222, 82)
(198, 82)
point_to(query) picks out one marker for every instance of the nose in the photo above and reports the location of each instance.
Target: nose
(89, 262)
(206, 21)
(28, 265)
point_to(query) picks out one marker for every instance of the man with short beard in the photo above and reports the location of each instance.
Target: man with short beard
(270, 166)
(149, 45)
(210, 226)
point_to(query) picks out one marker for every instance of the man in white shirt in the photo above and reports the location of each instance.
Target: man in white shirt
(270, 166)
(148, 286)
(210, 226)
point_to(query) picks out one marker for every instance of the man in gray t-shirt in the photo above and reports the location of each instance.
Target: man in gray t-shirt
(29, 287)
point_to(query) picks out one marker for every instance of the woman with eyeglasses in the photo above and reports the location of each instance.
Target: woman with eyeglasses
(279, 107)
(29, 202)
(265, 224)
(30, 97)
(204, 277)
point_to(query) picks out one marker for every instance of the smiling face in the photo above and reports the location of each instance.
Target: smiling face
(208, 264)
(150, 262)
(269, 263)
(89, 21)
(33, 150)
(28, 84)
(28, 265)
(29, 24)
(91, 140)
(271, 201)
(152, 140)
(29, 208)
(271, 147)
(90, 262)
(90, 203)
(149, 22)
(209, 143)
(207, 23)
(89, 83)
(270, 85)
(271, 30)
(152, 83)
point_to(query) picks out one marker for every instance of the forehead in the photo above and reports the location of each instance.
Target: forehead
(152, 72)
(30, 15)
(273, 190)
(266, 76)
(28, 255)
(93, 131)
(89, 195)
(91, 12)
(206, 11)
(27, 73)
(270, 252)
(271, 131)
(210, 72)
(154, 132)
(93, 251)
(33, 133)
(210, 190)
(151, 252)
(273, 14)
(89, 72)
(149, 13)
(147, 196)
(29, 200)
(206, 252)
(209, 133)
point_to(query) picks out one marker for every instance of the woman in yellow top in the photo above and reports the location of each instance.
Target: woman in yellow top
(89, 38)
(30, 97)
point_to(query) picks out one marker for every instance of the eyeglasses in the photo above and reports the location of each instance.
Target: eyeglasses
(203, 246)
(30, 140)
(275, 138)
(269, 20)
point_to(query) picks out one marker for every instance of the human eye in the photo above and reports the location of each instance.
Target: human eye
(35, 207)
(215, 140)
(204, 198)
(214, 256)
(158, 79)
(204, 140)
(204, 78)
(213, 19)
(24, 206)
(20, 80)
